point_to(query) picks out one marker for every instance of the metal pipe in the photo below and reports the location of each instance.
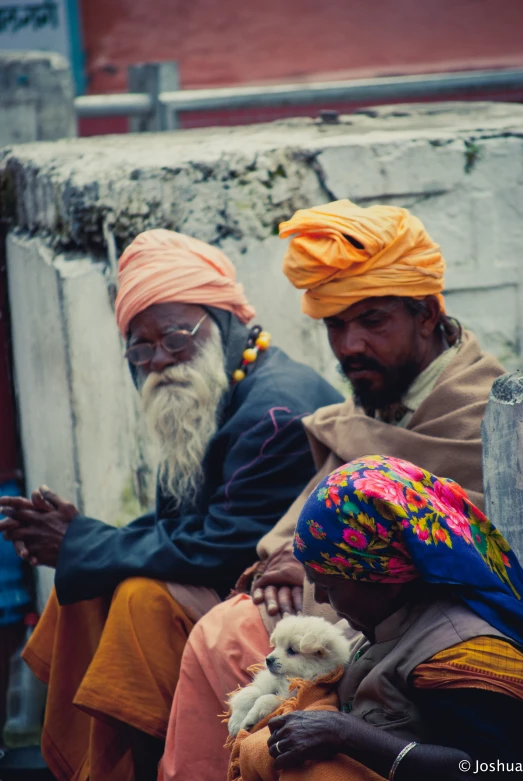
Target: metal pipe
(355, 90)
(131, 104)
(390, 88)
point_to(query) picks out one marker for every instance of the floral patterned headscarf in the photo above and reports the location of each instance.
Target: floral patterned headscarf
(383, 519)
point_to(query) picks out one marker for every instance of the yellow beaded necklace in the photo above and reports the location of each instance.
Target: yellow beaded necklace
(259, 341)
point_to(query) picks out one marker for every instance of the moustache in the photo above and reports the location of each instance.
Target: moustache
(362, 363)
(173, 376)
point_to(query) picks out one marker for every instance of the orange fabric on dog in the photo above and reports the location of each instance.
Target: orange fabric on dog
(341, 253)
(250, 758)
(163, 267)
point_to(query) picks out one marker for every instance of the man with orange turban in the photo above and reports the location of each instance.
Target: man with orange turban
(224, 410)
(419, 389)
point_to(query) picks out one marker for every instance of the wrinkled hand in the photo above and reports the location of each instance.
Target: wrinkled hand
(36, 526)
(281, 585)
(305, 735)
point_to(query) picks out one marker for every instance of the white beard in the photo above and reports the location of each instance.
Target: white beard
(181, 406)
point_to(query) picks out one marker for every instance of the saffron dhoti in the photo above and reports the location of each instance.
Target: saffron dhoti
(111, 664)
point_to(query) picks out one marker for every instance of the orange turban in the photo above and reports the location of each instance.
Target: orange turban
(398, 257)
(163, 267)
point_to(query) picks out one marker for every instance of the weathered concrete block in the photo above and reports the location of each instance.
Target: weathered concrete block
(79, 424)
(503, 458)
(42, 366)
(36, 97)
(74, 388)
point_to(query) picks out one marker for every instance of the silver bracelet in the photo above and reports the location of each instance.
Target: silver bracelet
(403, 753)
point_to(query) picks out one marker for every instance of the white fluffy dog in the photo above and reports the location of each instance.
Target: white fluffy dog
(305, 647)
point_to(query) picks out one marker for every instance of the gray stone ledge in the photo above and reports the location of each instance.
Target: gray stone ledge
(71, 190)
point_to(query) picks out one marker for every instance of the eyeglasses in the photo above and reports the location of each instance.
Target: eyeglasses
(173, 342)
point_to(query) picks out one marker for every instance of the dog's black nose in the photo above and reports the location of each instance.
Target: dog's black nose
(270, 661)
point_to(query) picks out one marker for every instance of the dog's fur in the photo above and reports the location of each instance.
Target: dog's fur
(305, 647)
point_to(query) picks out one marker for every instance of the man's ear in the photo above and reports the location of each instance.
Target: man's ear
(430, 317)
(312, 644)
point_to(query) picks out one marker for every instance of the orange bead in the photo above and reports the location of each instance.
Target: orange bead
(238, 375)
(250, 355)
(263, 342)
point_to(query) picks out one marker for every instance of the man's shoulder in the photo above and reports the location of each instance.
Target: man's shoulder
(282, 382)
(470, 358)
(467, 379)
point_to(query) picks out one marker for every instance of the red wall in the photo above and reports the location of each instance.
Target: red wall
(228, 42)
(219, 42)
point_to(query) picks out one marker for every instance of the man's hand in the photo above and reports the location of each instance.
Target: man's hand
(303, 735)
(281, 585)
(36, 526)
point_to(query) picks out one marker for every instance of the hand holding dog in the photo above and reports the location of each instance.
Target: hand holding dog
(304, 735)
(320, 735)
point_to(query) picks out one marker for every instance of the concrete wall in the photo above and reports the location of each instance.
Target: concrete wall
(460, 168)
(36, 97)
(75, 397)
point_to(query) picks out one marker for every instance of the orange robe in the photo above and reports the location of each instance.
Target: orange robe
(214, 663)
(121, 659)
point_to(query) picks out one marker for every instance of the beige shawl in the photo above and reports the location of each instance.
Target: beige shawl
(443, 436)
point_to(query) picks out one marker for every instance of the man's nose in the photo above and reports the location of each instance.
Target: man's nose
(162, 359)
(352, 341)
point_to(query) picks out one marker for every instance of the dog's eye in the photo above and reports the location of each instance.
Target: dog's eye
(291, 651)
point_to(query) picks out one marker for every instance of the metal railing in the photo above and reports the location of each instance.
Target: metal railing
(155, 102)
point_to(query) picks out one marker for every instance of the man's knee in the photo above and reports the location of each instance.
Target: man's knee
(228, 615)
(139, 594)
(229, 630)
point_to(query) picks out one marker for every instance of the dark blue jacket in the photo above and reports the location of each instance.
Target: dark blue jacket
(256, 465)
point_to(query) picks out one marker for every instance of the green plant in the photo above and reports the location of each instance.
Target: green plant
(472, 155)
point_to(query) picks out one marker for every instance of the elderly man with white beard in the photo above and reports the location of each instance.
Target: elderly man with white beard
(224, 410)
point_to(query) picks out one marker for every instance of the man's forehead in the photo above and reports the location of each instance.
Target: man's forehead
(375, 303)
(161, 316)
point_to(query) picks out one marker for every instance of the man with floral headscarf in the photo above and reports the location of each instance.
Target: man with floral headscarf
(224, 410)
(419, 389)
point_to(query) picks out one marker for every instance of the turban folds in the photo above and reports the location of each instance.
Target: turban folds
(398, 257)
(163, 267)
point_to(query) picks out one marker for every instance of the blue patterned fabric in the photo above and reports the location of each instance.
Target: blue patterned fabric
(383, 519)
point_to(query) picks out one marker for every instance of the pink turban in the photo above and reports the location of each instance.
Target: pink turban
(163, 267)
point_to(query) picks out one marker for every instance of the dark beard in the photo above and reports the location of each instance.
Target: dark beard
(396, 382)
